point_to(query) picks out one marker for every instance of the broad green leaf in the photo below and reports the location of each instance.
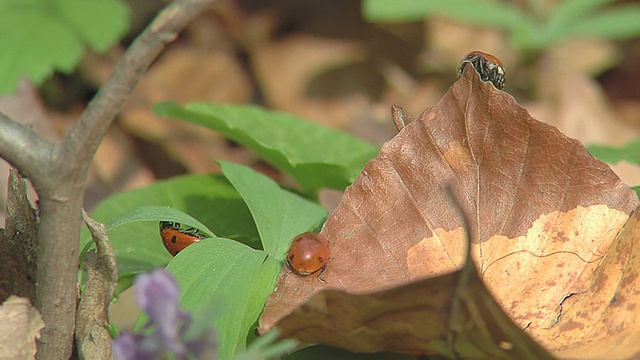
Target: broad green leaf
(314, 156)
(40, 36)
(563, 15)
(34, 45)
(224, 284)
(279, 215)
(617, 23)
(395, 11)
(267, 346)
(98, 23)
(630, 152)
(150, 213)
(637, 190)
(209, 199)
(158, 213)
(487, 13)
(567, 11)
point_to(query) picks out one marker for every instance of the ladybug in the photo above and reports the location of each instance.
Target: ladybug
(489, 67)
(176, 239)
(309, 254)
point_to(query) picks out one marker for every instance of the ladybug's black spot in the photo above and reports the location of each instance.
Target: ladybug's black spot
(174, 239)
(321, 259)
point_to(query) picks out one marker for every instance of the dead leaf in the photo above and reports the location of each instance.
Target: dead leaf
(118, 165)
(544, 212)
(18, 242)
(285, 68)
(451, 315)
(572, 100)
(20, 326)
(602, 322)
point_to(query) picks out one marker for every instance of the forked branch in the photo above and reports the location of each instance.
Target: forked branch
(59, 174)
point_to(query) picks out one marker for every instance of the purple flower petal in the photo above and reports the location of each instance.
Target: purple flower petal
(157, 293)
(158, 283)
(205, 347)
(135, 347)
(125, 347)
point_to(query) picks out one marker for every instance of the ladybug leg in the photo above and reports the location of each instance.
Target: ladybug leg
(319, 277)
(398, 117)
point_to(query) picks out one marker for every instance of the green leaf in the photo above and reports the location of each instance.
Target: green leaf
(34, 45)
(267, 346)
(211, 199)
(279, 215)
(149, 213)
(636, 189)
(395, 10)
(617, 23)
(567, 11)
(157, 213)
(98, 23)
(630, 152)
(314, 156)
(563, 15)
(225, 284)
(40, 36)
(486, 13)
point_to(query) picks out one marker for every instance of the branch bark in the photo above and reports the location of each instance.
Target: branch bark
(59, 174)
(23, 148)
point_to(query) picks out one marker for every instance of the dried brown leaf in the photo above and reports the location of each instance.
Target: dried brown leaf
(603, 321)
(20, 326)
(543, 213)
(18, 242)
(285, 68)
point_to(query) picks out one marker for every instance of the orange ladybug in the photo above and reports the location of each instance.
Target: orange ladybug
(309, 254)
(176, 239)
(489, 67)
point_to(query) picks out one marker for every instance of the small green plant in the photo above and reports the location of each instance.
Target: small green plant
(172, 333)
(248, 219)
(40, 36)
(530, 29)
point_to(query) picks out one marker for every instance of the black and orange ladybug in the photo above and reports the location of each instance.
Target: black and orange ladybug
(489, 67)
(309, 254)
(175, 239)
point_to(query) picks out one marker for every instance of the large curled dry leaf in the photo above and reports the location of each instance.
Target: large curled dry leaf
(543, 215)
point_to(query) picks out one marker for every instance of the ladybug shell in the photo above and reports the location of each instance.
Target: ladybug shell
(308, 254)
(176, 239)
(489, 67)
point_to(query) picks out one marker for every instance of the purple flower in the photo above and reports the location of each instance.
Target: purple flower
(157, 294)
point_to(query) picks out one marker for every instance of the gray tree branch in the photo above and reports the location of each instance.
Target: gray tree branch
(62, 186)
(23, 148)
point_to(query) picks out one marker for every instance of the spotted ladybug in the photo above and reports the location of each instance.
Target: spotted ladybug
(175, 239)
(309, 254)
(489, 67)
